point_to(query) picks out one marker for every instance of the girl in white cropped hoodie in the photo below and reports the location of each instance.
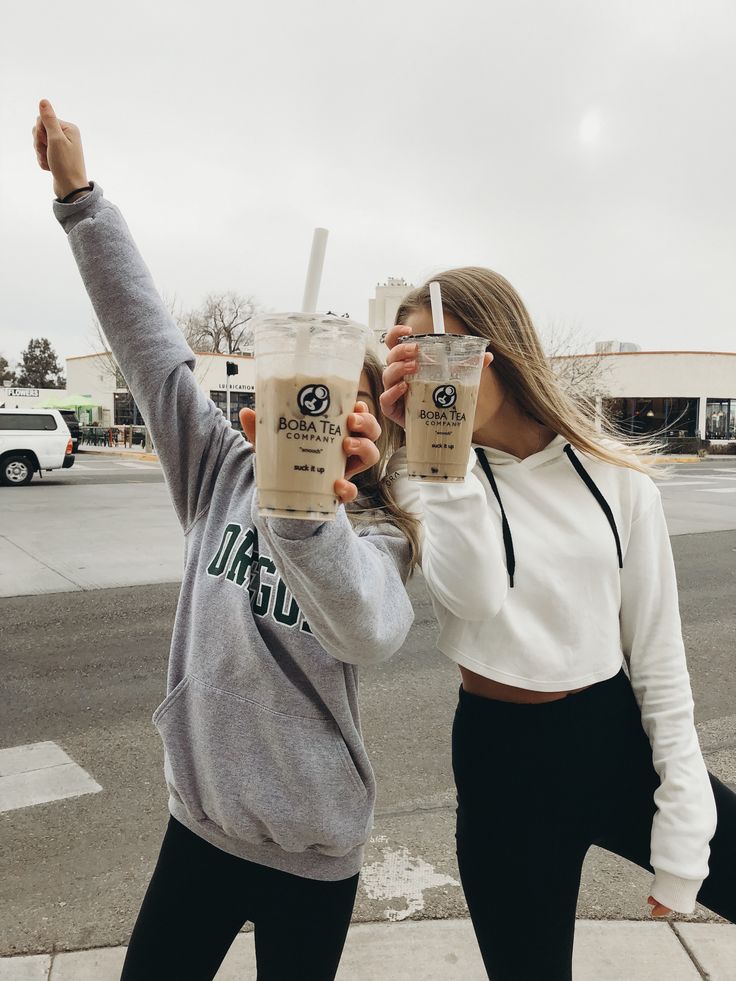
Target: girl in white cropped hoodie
(552, 578)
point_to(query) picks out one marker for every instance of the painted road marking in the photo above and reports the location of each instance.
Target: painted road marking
(401, 876)
(720, 490)
(40, 773)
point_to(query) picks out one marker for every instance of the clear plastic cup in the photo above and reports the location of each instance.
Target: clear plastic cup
(440, 405)
(307, 372)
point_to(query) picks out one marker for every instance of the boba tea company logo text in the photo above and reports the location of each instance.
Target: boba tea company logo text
(311, 426)
(445, 396)
(314, 400)
(446, 412)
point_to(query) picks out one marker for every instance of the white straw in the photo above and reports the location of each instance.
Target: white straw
(438, 320)
(314, 272)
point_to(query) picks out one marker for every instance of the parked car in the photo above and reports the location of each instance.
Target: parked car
(73, 423)
(32, 440)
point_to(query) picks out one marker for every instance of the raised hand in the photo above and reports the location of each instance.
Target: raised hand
(58, 147)
(359, 446)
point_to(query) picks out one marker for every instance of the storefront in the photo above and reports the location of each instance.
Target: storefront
(673, 394)
(673, 417)
(720, 419)
(98, 375)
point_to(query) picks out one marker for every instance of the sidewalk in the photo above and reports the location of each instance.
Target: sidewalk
(129, 453)
(445, 950)
(136, 454)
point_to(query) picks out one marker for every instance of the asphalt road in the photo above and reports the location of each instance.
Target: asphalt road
(86, 668)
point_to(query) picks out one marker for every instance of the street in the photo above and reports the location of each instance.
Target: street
(84, 667)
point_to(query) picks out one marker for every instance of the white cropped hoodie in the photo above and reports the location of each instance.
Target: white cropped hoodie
(548, 573)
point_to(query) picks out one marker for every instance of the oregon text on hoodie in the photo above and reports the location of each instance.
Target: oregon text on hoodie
(263, 753)
(547, 574)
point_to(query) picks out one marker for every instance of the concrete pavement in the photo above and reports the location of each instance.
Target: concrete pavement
(445, 950)
(84, 669)
(87, 528)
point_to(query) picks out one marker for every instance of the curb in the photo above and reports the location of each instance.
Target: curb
(124, 454)
(446, 950)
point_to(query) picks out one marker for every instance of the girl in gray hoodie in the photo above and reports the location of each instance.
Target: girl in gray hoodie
(271, 793)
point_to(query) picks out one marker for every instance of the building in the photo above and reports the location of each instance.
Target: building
(96, 375)
(383, 307)
(13, 397)
(682, 394)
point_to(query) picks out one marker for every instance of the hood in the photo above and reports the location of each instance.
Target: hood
(498, 458)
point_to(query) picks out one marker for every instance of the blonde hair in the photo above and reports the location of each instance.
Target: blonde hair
(487, 305)
(375, 501)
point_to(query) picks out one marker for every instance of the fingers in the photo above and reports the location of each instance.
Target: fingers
(392, 403)
(363, 423)
(40, 144)
(345, 491)
(402, 352)
(248, 423)
(396, 373)
(397, 331)
(49, 119)
(39, 133)
(362, 454)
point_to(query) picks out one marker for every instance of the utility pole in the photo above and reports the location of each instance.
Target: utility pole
(230, 369)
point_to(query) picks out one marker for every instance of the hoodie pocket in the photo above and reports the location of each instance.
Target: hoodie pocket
(261, 776)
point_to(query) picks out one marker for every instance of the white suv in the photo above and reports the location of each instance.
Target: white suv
(32, 440)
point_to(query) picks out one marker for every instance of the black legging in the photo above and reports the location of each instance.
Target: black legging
(537, 786)
(200, 897)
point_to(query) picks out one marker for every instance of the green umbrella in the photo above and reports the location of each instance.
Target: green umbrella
(69, 401)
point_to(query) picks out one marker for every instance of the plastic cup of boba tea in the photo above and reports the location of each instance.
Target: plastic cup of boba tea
(308, 367)
(440, 405)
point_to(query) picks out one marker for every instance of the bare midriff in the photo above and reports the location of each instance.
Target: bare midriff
(476, 684)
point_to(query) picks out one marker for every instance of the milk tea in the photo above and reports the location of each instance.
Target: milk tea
(439, 428)
(301, 425)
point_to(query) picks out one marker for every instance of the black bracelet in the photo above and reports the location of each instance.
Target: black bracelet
(65, 199)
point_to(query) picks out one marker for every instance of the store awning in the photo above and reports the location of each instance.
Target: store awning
(67, 400)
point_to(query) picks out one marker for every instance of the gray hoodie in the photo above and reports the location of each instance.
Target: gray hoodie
(260, 724)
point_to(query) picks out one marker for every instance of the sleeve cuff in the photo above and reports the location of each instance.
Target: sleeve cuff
(676, 893)
(439, 490)
(292, 530)
(287, 529)
(76, 209)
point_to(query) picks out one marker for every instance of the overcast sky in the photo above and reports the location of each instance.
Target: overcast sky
(583, 148)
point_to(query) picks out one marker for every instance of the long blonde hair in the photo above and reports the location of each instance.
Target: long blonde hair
(487, 305)
(375, 501)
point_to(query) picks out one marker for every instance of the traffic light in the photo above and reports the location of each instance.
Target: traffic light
(231, 368)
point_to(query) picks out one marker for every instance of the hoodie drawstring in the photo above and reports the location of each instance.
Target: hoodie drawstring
(508, 540)
(595, 491)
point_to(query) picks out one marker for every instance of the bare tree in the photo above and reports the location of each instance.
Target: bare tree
(581, 373)
(222, 324)
(105, 359)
